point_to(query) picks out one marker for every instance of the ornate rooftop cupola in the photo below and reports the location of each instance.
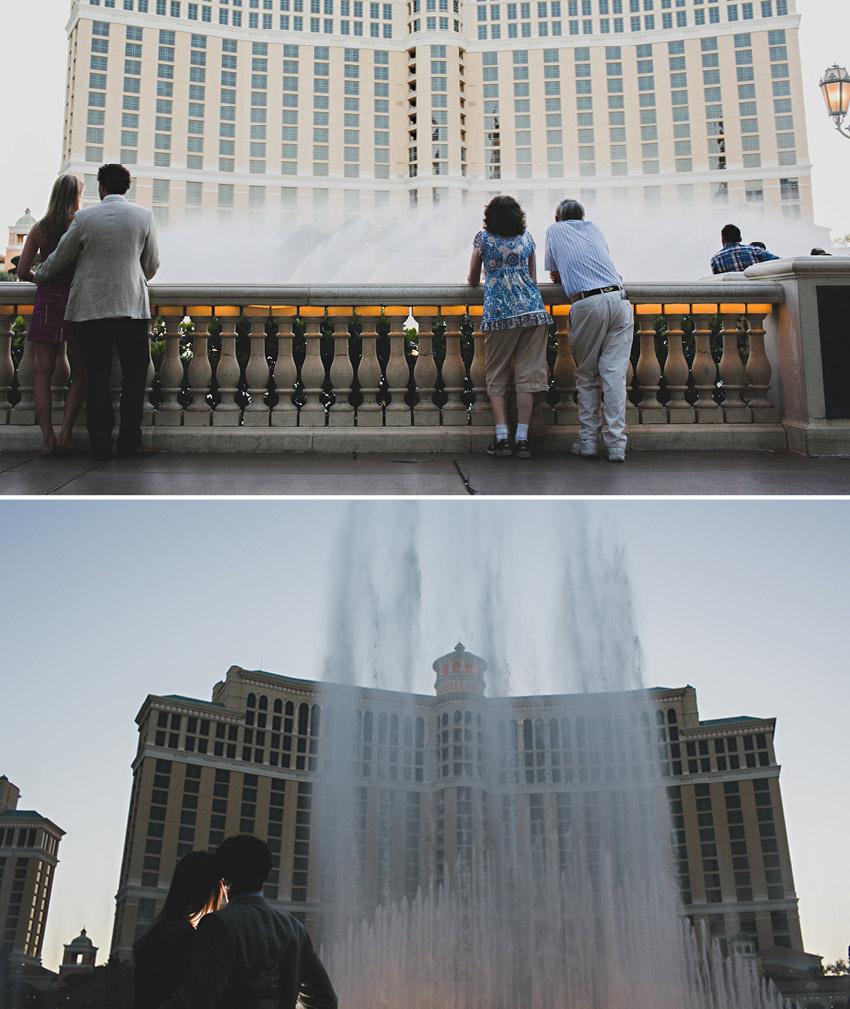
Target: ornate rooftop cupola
(459, 674)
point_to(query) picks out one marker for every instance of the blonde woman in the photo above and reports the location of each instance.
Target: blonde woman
(48, 329)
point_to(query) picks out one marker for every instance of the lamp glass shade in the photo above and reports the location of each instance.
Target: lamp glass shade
(835, 85)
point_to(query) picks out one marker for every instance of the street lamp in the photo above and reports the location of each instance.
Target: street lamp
(835, 85)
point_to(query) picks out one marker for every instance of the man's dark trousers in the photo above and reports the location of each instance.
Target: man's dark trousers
(130, 339)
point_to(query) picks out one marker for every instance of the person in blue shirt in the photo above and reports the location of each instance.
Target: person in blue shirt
(515, 323)
(601, 326)
(735, 257)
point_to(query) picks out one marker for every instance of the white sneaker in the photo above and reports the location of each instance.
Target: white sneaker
(586, 449)
(616, 455)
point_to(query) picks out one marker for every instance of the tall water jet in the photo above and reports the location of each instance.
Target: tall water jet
(521, 851)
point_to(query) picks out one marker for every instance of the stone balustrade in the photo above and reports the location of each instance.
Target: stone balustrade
(331, 368)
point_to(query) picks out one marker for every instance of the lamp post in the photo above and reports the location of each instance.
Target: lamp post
(835, 85)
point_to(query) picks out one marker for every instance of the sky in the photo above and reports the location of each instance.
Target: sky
(108, 601)
(33, 58)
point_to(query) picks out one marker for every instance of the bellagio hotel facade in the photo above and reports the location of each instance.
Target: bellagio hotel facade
(437, 782)
(324, 109)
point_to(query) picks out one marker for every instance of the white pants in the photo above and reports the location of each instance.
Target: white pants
(600, 333)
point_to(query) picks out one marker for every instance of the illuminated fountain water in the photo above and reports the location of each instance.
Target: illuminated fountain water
(572, 921)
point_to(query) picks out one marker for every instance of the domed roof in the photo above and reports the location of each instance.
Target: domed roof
(27, 221)
(82, 940)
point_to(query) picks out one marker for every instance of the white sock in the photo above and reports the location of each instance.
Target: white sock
(522, 432)
(501, 432)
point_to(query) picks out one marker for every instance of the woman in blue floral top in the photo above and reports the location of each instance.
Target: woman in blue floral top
(515, 323)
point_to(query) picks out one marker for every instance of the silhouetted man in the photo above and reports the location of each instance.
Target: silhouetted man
(735, 257)
(248, 955)
(115, 249)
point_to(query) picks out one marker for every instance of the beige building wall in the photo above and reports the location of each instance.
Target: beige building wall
(437, 781)
(29, 844)
(339, 107)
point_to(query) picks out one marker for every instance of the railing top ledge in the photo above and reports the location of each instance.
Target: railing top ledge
(263, 295)
(811, 268)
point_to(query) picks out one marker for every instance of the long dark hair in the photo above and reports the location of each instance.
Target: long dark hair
(195, 889)
(503, 216)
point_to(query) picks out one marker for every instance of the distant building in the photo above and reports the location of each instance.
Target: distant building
(78, 958)
(17, 236)
(337, 107)
(439, 778)
(29, 843)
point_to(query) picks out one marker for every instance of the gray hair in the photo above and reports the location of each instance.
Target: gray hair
(569, 210)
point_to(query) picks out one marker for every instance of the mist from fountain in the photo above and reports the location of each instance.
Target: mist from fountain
(576, 921)
(434, 246)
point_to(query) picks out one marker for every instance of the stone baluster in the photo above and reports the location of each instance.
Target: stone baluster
(398, 413)
(679, 410)
(758, 370)
(566, 412)
(25, 408)
(704, 370)
(632, 417)
(148, 411)
(341, 414)
(482, 411)
(455, 412)
(648, 369)
(285, 413)
(61, 377)
(425, 413)
(199, 376)
(227, 413)
(257, 413)
(170, 411)
(369, 413)
(7, 365)
(732, 371)
(313, 413)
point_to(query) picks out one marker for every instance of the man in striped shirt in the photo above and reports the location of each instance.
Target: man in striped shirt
(601, 327)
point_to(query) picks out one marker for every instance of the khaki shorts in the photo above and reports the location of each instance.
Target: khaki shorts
(527, 346)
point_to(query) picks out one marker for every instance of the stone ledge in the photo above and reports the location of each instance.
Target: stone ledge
(457, 440)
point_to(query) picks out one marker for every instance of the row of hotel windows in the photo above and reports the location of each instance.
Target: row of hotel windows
(533, 750)
(618, 152)
(226, 150)
(187, 840)
(558, 10)
(769, 856)
(259, 101)
(35, 910)
(669, 18)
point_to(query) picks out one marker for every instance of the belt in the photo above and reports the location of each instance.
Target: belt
(598, 290)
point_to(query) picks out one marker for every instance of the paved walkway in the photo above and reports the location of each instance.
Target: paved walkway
(645, 473)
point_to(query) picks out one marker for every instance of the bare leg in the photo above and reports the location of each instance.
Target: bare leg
(76, 394)
(499, 406)
(524, 406)
(45, 362)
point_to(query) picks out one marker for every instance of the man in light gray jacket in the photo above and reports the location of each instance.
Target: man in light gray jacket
(114, 245)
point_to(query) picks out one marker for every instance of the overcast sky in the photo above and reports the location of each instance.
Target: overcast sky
(109, 601)
(33, 58)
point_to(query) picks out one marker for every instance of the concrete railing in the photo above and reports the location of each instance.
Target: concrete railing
(330, 368)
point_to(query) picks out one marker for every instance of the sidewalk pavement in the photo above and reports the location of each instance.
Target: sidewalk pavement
(424, 475)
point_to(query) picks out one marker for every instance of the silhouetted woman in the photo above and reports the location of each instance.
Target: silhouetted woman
(162, 953)
(48, 329)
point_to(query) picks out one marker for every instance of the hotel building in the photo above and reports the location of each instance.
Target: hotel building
(435, 783)
(337, 107)
(29, 844)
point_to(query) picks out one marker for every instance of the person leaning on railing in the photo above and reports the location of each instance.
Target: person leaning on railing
(515, 323)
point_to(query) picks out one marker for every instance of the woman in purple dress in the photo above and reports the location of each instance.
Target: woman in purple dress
(48, 329)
